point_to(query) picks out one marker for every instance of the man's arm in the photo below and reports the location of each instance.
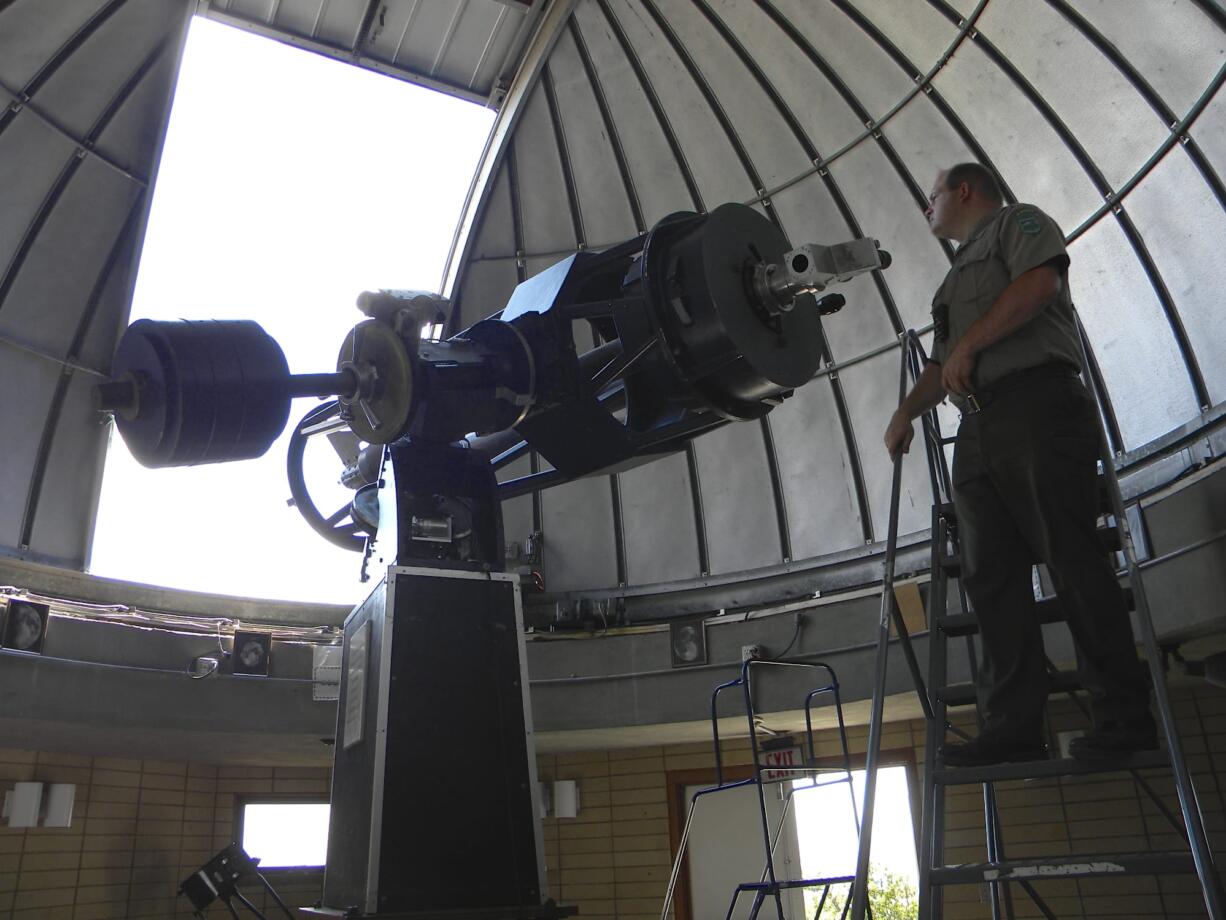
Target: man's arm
(927, 392)
(1019, 303)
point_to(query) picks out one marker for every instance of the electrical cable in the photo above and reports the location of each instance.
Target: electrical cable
(178, 672)
(800, 619)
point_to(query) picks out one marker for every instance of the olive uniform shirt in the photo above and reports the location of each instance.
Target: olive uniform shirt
(1004, 245)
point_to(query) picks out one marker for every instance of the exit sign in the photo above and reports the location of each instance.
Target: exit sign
(776, 764)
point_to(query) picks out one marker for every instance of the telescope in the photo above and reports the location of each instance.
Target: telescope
(704, 320)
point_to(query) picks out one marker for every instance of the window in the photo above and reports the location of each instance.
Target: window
(285, 835)
(828, 842)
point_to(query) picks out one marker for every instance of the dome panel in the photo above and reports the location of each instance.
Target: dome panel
(737, 500)
(872, 395)
(67, 493)
(544, 210)
(658, 519)
(787, 60)
(26, 180)
(496, 235)
(1091, 96)
(1132, 340)
(131, 137)
(579, 549)
(604, 208)
(35, 33)
(760, 122)
(823, 515)
(90, 209)
(81, 89)
(487, 288)
(1176, 50)
(104, 315)
(916, 29)
(888, 213)
(719, 175)
(962, 7)
(657, 176)
(869, 75)
(1209, 131)
(1186, 244)
(22, 419)
(1023, 146)
(926, 140)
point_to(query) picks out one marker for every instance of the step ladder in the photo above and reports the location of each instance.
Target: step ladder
(769, 886)
(1000, 873)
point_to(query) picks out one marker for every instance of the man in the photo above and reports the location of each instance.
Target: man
(1007, 353)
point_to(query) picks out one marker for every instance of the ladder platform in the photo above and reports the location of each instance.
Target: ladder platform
(1047, 609)
(1041, 769)
(1055, 867)
(964, 694)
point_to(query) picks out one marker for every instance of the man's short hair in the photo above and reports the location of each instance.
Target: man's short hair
(981, 180)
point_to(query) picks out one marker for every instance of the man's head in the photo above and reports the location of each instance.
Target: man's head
(961, 196)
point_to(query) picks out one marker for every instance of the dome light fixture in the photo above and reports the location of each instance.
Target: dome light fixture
(252, 651)
(688, 642)
(25, 626)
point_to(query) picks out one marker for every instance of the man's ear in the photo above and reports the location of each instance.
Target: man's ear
(964, 191)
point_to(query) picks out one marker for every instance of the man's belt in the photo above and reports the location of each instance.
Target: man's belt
(984, 397)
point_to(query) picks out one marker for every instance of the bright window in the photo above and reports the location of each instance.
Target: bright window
(827, 840)
(286, 835)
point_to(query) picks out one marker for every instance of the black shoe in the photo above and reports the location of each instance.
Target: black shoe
(1114, 739)
(991, 748)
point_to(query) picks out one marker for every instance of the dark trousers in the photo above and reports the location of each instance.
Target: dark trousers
(1025, 491)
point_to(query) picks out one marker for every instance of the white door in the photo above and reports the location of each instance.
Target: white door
(726, 849)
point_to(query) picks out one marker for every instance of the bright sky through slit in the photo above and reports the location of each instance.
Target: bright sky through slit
(289, 183)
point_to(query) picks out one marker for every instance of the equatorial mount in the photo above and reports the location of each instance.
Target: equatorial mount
(703, 320)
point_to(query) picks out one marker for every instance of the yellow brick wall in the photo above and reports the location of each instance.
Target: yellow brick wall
(613, 860)
(140, 827)
(1100, 814)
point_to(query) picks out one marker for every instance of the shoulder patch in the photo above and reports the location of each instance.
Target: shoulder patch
(1028, 223)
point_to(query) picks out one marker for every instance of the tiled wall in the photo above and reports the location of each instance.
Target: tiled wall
(140, 827)
(613, 860)
(1099, 814)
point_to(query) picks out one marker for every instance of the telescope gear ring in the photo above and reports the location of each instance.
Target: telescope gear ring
(333, 528)
(382, 408)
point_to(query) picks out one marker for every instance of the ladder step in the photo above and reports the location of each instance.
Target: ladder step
(1053, 867)
(963, 624)
(1047, 608)
(1040, 769)
(1108, 538)
(964, 694)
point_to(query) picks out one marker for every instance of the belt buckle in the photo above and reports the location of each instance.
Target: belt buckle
(972, 404)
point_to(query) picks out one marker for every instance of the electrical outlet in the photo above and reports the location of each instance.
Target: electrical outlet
(750, 651)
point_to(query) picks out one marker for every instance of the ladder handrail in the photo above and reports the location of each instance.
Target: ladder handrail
(859, 902)
(1189, 803)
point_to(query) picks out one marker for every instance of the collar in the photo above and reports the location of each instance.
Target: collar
(980, 227)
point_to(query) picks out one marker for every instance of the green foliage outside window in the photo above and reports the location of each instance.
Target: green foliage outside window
(890, 897)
